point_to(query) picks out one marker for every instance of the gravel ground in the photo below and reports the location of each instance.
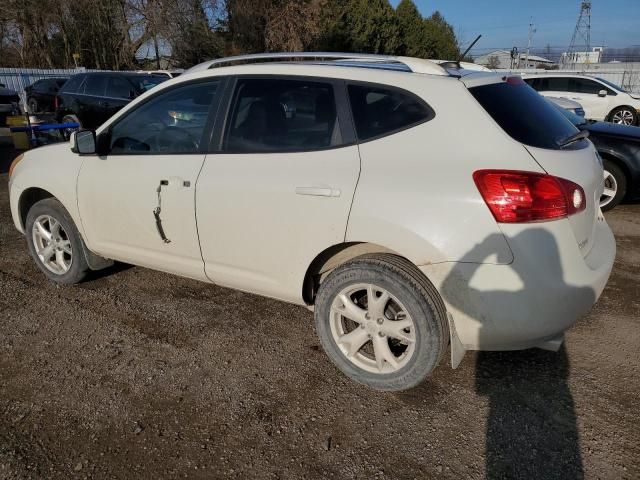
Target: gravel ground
(139, 374)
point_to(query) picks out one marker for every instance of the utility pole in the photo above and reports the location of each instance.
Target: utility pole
(531, 32)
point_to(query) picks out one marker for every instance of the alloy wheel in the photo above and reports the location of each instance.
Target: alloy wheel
(52, 244)
(610, 189)
(372, 328)
(623, 117)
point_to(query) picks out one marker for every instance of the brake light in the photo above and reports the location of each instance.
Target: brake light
(521, 197)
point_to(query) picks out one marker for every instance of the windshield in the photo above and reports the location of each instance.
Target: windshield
(524, 114)
(577, 120)
(611, 84)
(147, 82)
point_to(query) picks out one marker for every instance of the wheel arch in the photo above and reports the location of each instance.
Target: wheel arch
(619, 161)
(28, 198)
(332, 257)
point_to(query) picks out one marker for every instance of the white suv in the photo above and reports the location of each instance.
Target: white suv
(601, 99)
(356, 189)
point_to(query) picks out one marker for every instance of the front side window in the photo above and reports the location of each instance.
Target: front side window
(278, 115)
(380, 110)
(170, 123)
(582, 85)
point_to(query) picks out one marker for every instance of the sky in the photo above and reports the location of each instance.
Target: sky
(505, 23)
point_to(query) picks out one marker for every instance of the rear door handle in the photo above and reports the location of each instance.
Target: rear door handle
(318, 191)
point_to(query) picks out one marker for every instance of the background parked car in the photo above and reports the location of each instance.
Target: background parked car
(619, 147)
(9, 104)
(570, 105)
(91, 98)
(41, 94)
(601, 99)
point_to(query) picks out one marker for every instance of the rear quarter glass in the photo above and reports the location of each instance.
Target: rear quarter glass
(524, 114)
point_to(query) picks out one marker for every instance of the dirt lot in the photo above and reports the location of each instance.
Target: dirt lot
(138, 374)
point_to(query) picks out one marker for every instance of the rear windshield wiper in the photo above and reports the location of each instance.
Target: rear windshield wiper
(581, 135)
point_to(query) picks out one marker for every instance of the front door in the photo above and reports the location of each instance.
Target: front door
(137, 203)
(280, 190)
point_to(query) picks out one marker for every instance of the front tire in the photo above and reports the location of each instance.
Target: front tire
(615, 186)
(55, 243)
(381, 322)
(624, 116)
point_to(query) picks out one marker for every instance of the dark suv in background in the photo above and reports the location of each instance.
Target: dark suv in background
(9, 104)
(41, 94)
(91, 98)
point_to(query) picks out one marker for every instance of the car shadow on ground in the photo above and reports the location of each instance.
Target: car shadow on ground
(531, 429)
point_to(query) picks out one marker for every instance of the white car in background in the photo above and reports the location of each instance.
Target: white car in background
(601, 99)
(402, 223)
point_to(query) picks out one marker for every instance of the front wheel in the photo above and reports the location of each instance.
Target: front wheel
(381, 322)
(55, 243)
(624, 116)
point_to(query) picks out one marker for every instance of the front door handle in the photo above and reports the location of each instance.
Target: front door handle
(176, 182)
(318, 191)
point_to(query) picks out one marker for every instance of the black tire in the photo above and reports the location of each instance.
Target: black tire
(621, 182)
(79, 267)
(631, 113)
(405, 282)
(32, 105)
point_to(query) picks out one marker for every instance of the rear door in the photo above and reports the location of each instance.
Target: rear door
(91, 112)
(279, 190)
(120, 91)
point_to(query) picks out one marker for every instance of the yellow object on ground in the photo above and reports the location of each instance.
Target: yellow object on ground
(20, 139)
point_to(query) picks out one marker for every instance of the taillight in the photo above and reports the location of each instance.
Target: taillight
(55, 102)
(520, 197)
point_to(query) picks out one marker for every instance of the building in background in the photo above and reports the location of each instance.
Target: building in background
(504, 59)
(579, 58)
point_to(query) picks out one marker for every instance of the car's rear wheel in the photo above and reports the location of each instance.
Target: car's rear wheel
(381, 322)
(624, 116)
(55, 243)
(615, 186)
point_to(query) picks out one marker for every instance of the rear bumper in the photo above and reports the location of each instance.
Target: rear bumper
(536, 298)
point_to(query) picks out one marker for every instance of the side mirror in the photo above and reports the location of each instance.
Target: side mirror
(83, 142)
(603, 93)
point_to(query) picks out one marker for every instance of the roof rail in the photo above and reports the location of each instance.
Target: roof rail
(416, 65)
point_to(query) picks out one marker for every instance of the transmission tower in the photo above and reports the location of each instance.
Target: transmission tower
(581, 39)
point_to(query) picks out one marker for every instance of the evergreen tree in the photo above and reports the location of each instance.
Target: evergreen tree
(443, 37)
(414, 39)
(363, 26)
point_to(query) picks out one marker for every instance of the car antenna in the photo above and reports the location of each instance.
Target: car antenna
(456, 63)
(468, 49)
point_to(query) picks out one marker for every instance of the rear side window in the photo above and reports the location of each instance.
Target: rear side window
(379, 110)
(95, 85)
(71, 85)
(525, 115)
(281, 115)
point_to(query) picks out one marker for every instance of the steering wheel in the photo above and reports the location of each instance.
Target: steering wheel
(175, 139)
